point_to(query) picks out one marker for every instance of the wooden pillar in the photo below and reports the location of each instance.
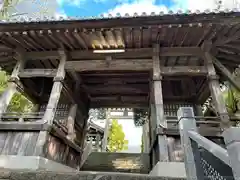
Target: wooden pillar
(97, 142)
(106, 132)
(56, 90)
(70, 122)
(146, 137)
(12, 84)
(158, 104)
(214, 87)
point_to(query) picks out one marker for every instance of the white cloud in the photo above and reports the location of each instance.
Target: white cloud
(60, 14)
(148, 6)
(139, 6)
(206, 4)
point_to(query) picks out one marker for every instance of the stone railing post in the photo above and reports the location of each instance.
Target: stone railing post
(232, 141)
(188, 123)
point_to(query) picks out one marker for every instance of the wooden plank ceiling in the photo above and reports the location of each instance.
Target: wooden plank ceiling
(136, 35)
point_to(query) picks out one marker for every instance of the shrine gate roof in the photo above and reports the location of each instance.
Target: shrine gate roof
(180, 37)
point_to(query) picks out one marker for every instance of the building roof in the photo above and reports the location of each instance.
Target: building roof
(179, 35)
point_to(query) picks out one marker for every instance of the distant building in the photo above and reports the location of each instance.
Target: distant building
(118, 114)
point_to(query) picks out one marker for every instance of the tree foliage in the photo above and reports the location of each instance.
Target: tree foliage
(232, 95)
(19, 103)
(6, 5)
(140, 116)
(116, 138)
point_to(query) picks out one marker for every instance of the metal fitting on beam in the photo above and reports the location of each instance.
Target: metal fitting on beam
(213, 77)
(58, 79)
(160, 130)
(157, 77)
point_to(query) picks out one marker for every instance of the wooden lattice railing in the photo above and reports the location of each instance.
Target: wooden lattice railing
(203, 158)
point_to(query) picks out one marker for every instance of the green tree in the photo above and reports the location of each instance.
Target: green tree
(19, 103)
(6, 5)
(116, 138)
(232, 95)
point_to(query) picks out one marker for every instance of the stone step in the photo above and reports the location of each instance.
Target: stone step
(117, 162)
(80, 175)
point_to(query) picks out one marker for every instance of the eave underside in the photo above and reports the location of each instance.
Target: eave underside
(124, 87)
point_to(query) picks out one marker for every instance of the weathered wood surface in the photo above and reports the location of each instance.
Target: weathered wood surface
(37, 73)
(158, 113)
(175, 149)
(176, 153)
(214, 87)
(18, 142)
(130, 53)
(132, 65)
(25, 143)
(58, 151)
(56, 90)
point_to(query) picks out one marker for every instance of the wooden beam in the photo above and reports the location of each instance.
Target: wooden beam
(38, 73)
(106, 74)
(129, 53)
(214, 87)
(226, 73)
(121, 98)
(56, 90)
(234, 58)
(204, 131)
(184, 70)
(108, 80)
(120, 88)
(24, 126)
(117, 104)
(133, 65)
(158, 105)
(99, 65)
(70, 122)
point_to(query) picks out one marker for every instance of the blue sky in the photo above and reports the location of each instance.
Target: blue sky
(87, 8)
(97, 7)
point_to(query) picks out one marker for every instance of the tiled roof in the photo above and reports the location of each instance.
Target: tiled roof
(127, 15)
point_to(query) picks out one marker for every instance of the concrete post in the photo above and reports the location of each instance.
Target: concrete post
(232, 141)
(185, 125)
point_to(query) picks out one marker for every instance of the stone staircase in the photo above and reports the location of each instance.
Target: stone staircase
(117, 162)
(47, 175)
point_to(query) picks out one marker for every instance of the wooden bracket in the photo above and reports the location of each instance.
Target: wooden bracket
(206, 46)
